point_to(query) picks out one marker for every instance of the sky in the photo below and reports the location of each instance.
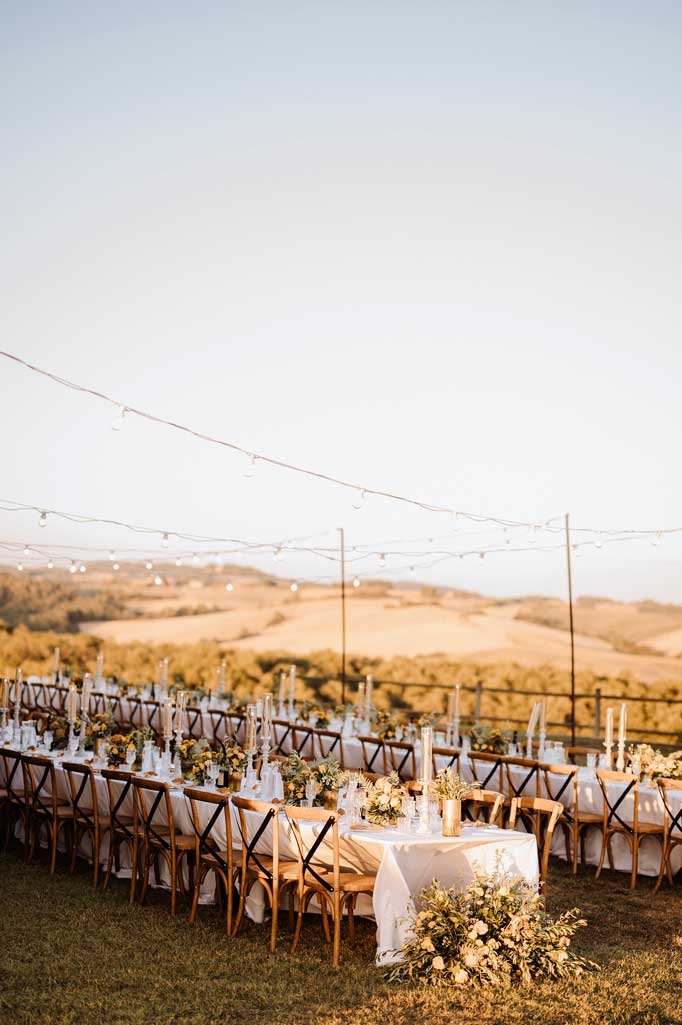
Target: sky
(428, 248)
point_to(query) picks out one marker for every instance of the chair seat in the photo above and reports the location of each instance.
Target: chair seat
(211, 858)
(288, 870)
(588, 816)
(349, 882)
(183, 841)
(62, 811)
(646, 828)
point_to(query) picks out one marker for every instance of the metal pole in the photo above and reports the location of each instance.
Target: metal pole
(570, 618)
(342, 545)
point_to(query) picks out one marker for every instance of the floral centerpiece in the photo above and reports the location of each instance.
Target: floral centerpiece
(654, 764)
(495, 932)
(429, 719)
(490, 739)
(314, 714)
(233, 755)
(384, 800)
(117, 748)
(296, 772)
(59, 727)
(450, 788)
(384, 725)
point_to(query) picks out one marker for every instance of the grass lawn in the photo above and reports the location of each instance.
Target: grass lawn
(70, 956)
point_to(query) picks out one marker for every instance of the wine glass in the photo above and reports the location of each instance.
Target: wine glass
(48, 737)
(311, 791)
(131, 755)
(213, 771)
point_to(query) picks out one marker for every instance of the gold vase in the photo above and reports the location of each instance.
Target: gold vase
(452, 816)
(235, 781)
(330, 799)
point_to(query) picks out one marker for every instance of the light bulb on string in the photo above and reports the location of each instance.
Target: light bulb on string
(229, 586)
(112, 555)
(278, 554)
(82, 568)
(42, 522)
(599, 540)
(381, 559)
(20, 566)
(117, 422)
(27, 550)
(178, 562)
(158, 581)
(195, 559)
(413, 570)
(356, 581)
(294, 586)
(481, 556)
(116, 566)
(164, 541)
(359, 501)
(149, 564)
(250, 470)
(576, 551)
(656, 540)
(50, 564)
(73, 568)
(218, 560)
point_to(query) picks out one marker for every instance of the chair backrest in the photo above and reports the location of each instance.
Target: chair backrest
(118, 795)
(302, 740)
(523, 777)
(673, 818)
(98, 702)
(195, 723)
(446, 758)
(236, 726)
(613, 806)
(578, 755)
(256, 830)
(135, 713)
(479, 803)
(308, 869)
(83, 794)
(152, 716)
(373, 754)
(329, 743)
(150, 795)
(13, 776)
(487, 769)
(216, 808)
(281, 736)
(38, 771)
(548, 812)
(561, 784)
(219, 728)
(399, 757)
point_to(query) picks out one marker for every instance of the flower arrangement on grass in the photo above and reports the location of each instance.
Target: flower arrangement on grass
(489, 739)
(384, 800)
(296, 772)
(495, 932)
(654, 764)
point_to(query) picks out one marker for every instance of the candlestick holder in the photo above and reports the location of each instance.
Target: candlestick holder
(281, 710)
(609, 755)
(4, 724)
(620, 757)
(529, 746)
(72, 742)
(291, 712)
(81, 735)
(265, 750)
(541, 745)
(166, 757)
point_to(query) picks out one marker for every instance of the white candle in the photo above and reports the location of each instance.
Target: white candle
(168, 719)
(4, 701)
(543, 716)
(368, 697)
(608, 734)
(622, 723)
(427, 754)
(19, 682)
(282, 679)
(266, 726)
(56, 663)
(71, 704)
(361, 695)
(251, 728)
(85, 694)
(292, 686)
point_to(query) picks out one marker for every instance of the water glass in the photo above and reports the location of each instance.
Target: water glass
(131, 754)
(591, 760)
(213, 771)
(47, 739)
(311, 790)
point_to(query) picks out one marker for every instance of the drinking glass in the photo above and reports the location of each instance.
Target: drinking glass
(131, 754)
(213, 771)
(591, 760)
(47, 739)
(311, 790)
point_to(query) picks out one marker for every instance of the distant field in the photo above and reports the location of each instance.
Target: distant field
(384, 621)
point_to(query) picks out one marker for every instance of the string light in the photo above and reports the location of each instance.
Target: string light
(149, 564)
(279, 554)
(250, 470)
(158, 581)
(656, 540)
(20, 566)
(73, 568)
(42, 522)
(195, 559)
(82, 568)
(116, 566)
(178, 562)
(164, 541)
(381, 559)
(356, 581)
(294, 586)
(229, 586)
(359, 503)
(50, 564)
(112, 555)
(27, 550)
(118, 420)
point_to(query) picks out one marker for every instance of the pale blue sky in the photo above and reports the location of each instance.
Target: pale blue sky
(432, 247)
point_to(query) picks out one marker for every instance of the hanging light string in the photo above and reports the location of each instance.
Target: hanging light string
(361, 490)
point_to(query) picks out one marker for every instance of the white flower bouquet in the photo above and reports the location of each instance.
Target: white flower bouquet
(384, 800)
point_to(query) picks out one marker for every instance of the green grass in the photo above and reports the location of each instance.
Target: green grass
(71, 956)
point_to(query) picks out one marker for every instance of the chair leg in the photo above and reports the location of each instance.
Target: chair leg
(96, 844)
(604, 844)
(635, 861)
(195, 899)
(350, 909)
(145, 875)
(663, 869)
(74, 852)
(53, 845)
(134, 858)
(299, 921)
(275, 909)
(336, 948)
(241, 905)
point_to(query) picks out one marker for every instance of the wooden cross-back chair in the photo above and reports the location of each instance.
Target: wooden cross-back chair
(614, 823)
(44, 807)
(446, 758)
(258, 822)
(14, 798)
(578, 755)
(219, 726)
(281, 736)
(522, 778)
(373, 754)
(549, 812)
(160, 842)
(485, 805)
(223, 861)
(98, 702)
(335, 889)
(236, 725)
(151, 717)
(122, 823)
(672, 827)
(488, 769)
(302, 741)
(329, 745)
(135, 713)
(87, 820)
(399, 757)
(195, 722)
(561, 784)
